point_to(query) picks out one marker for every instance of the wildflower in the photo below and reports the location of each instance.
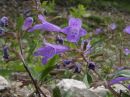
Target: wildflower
(66, 62)
(45, 26)
(59, 40)
(77, 68)
(98, 30)
(118, 80)
(126, 51)
(127, 29)
(4, 21)
(112, 26)
(74, 30)
(5, 53)
(49, 50)
(27, 23)
(91, 65)
(85, 45)
(128, 87)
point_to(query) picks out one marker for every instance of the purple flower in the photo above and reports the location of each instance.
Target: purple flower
(127, 29)
(77, 68)
(112, 26)
(98, 30)
(86, 46)
(91, 65)
(66, 62)
(49, 50)
(74, 30)
(27, 23)
(5, 52)
(59, 40)
(118, 80)
(126, 51)
(4, 21)
(45, 26)
(128, 87)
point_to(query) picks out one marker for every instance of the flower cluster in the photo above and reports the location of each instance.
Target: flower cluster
(73, 31)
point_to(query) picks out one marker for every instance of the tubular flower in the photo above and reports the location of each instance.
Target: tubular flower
(4, 21)
(98, 30)
(118, 80)
(5, 52)
(77, 68)
(74, 30)
(126, 51)
(49, 50)
(91, 65)
(112, 26)
(27, 23)
(45, 26)
(127, 29)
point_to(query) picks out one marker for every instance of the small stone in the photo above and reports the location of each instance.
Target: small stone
(119, 87)
(100, 90)
(75, 88)
(3, 83)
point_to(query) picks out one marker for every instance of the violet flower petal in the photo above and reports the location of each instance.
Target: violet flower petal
(73, 35)
(82, 32)
(46, 26)
(118, 80)
(41, 18)
(75, 22)
(128, 87)
(74, 30)
(66, 30)
(27, 23)
(113, 26)
(126, 51)
(49, 50)
(44, 60)
(4, 21)
(36, 27)
(127, 29)
(58, 48)
(98, 30)
(46, 51)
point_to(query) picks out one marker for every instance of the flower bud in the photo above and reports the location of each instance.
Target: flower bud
(91, 65)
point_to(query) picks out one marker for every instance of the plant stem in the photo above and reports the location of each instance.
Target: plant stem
(26, 68)
(38, 90)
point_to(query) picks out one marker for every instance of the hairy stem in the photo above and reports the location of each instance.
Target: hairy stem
(26, 68)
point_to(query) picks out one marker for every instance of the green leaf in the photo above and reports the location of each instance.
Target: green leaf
(5, 72)
(49, 67)
(56, 92)
(19, 23)
(124, 73)
(87, 79)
